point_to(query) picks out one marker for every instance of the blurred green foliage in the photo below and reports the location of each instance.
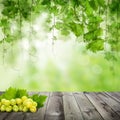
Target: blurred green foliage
(76, 70)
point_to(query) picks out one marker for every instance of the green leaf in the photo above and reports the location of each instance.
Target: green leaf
(65, 31)
(96, 45)
(21, 92)
(9, 93)
(93, 4)
(4, 22)
(101, 2)
(91, 35)
(110, 56)
(40, 99)
(76, 28)
(88, 8)
(46, 2)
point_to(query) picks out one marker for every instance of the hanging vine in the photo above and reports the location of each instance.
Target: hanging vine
(81, 18)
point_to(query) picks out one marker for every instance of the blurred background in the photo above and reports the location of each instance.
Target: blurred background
(40, 62)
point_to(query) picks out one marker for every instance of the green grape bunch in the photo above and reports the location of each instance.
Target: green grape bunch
(18, 100)
(23, 104)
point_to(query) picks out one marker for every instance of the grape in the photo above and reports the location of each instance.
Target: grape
(0, 104)
(13, 102)
(15, 108)
(20, 107)
(33, 109)
(29, 99)
(3, 108)
(34, 104)
(27, 103)
(7, 102)
(8, 108)
(18, 101)
(25, 109)
(3, 101)
(24, 98)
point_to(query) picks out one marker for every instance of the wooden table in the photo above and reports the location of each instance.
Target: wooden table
(73, 106)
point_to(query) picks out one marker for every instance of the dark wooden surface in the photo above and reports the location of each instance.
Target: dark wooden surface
(73, 106)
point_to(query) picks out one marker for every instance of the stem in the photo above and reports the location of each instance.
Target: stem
(20, 19)
(31, 28)
(53, 33)
(83, 23)
(76, 13)
(117, 32)
(3, 43)
(106, 29)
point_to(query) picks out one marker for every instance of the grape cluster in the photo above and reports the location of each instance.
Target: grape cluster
(22, 104)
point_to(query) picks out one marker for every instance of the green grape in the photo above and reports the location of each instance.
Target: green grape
(13, 102)
(24, 98)
(25, 109)
(8, 108)
(3, 108)
(15, 108)
(20, 107)
(3, 101)
(0, 104)
(29, 99)
(34, 104)
(7, 102)
(18, 101)
(33, 109)
(27, 103)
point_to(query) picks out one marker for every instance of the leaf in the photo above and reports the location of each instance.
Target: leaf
(95, 19)
(88, 9)
(40, 99)
(93, 4)
(96, 45)
(91, 35)
(46, 2)
(101, 3)
(59, 25)
(9, 93)
(110, 56)
(65, 31)
(21, 92)
(76, 28)
(3, 22)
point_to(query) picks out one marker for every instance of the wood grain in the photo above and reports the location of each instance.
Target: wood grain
(88, 110)
(106, 112)
(54, 109)
(71, 109)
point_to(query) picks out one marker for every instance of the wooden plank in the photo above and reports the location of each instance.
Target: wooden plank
(40, 114)
(3, 115)
(110, 101)
(106, 112)
(54, 109)
(14, 116)
(71, 109)
(67, 93)
(115, 95)
(88, 110)
(56, 94)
